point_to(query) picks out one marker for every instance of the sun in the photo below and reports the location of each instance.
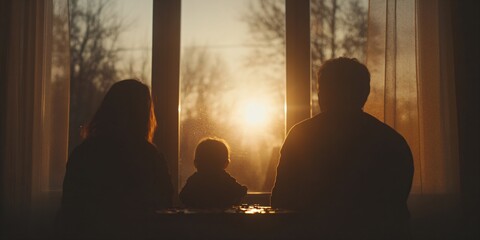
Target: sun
(255, 113)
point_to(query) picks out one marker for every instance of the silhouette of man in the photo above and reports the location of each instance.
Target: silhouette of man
(343, 164)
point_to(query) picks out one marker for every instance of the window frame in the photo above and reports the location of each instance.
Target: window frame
(166, 72)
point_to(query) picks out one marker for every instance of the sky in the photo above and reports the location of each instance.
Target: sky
(138, 15)
(205, 22)
(215, 24)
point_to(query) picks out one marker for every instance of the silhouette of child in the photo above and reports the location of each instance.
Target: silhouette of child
(211, 186)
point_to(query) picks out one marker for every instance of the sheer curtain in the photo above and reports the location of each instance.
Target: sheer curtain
(51, 131)
(412, 89)
(36, 112)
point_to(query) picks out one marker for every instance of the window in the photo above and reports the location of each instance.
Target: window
(232, 85)
(109, 41)
(215, 62)
(338, 28)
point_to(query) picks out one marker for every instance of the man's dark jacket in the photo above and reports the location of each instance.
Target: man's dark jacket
(348, 168)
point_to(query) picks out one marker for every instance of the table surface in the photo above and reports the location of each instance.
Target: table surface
(241, 209)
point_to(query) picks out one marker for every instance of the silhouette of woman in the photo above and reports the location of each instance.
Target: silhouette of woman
(116, 177)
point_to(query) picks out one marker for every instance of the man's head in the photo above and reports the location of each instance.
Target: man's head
(343, 85)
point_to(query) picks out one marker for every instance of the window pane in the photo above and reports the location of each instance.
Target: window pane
(109, 41)
(55, 90)
(233, 85)
(338, 29)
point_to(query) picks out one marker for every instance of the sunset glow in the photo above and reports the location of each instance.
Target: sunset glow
(225, 93)
(255, 113)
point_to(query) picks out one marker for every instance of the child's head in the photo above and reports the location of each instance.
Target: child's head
(212, 154)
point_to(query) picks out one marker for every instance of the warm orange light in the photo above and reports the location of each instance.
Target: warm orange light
(255, 113)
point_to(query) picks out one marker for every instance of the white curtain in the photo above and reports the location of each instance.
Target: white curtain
(410, 59)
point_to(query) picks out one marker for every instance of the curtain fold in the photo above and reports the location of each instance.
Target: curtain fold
(410, 59)
(36, 112)
(19, 111)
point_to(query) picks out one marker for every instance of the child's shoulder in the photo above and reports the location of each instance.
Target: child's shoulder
(225, 174)
(212, 175)
(231, 180)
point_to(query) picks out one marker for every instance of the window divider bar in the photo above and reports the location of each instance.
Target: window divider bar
(165, 81)
(298, 71)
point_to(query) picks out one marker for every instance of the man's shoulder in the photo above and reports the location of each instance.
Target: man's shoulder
(385, 135)
(382, 128)
(307, 125)
(366, 122)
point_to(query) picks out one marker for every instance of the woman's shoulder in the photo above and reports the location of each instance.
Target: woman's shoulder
(83, 153)
(144, 145)
(104, 145)
(84, 147)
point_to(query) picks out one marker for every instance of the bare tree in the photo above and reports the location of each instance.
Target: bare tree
(138, 65)
(266, 23)
(355, 22)
(202, 80)
(338, 28)
(58, 73)
(94, 31)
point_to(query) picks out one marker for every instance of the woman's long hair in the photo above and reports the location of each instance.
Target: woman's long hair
(126, 111)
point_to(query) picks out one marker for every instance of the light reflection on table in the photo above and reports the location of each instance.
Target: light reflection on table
(241, 209)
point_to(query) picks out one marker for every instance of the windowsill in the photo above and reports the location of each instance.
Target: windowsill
(260, 198)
